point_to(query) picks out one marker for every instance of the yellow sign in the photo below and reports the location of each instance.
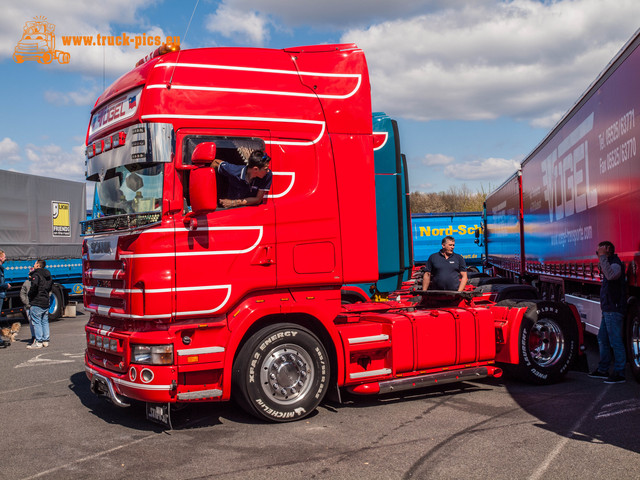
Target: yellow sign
(61, 219)
(450, 230)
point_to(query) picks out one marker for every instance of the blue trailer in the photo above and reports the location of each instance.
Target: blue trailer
(430, 228)
(40, 218)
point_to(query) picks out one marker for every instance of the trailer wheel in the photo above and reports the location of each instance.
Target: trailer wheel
(281, 374)
(56, 303)
(548, 342)
(632, 339)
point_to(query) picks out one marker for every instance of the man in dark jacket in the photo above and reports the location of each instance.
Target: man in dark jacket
(613, 302)
(41, 284)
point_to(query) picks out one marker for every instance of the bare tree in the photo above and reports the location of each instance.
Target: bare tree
(455, 199)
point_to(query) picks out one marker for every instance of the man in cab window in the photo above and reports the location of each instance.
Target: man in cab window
(247, 184)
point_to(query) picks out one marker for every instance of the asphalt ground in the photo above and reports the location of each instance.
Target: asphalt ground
(53, 427)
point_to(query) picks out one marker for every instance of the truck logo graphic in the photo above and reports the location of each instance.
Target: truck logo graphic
(61, 219)
(38, 43)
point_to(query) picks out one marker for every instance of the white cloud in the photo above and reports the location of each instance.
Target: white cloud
(244, 27)
(83, 97)
(335, 14)
(420, 186)
(9, 151)
(56, 161)
(524, 59)
(485, 169)
(547, 121)
(432, 159)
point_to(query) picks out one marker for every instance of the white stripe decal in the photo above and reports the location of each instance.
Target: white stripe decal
(386, 138)
(156, 116)
(288, 189)
(203, 253)
(256, 69)
(198, 88)
(199, 351)
(371, 373)
(372, 338)
(176, 314)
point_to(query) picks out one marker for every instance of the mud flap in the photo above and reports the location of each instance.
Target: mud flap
(159, 413)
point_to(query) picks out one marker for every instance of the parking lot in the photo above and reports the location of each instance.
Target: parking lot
(54, 427)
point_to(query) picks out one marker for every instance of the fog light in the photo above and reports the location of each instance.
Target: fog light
(146, 375)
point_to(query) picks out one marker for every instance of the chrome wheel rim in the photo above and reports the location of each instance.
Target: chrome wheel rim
(546, 343)
(286, 374)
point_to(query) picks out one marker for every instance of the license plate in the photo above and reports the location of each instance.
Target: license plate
(159, 413)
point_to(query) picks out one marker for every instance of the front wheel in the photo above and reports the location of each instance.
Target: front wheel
(547, 342)
(632, 339)
(281, 374)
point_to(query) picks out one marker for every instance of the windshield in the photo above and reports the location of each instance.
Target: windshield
(129, 189)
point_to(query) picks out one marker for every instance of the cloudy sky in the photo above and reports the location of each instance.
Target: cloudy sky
(475, 85)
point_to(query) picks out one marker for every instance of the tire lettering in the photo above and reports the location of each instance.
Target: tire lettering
(274, 337)
(274, 413)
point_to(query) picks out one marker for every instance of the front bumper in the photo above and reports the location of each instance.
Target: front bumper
(144, 383)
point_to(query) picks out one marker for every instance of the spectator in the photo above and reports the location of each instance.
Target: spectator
(24, 296)
(445, 270)
(41, 284)
(613, 303)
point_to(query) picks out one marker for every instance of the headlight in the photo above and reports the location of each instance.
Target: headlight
(152, 354)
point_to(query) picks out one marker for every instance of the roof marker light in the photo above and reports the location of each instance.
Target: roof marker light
(161, 50)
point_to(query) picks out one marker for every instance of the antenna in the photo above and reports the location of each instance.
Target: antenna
(103, 68)
(184, 38)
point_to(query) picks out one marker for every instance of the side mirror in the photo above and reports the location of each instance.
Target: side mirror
(204, 153)
(203, 193)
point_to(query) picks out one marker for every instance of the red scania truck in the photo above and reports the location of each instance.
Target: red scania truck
(192, 302)
(580, 186)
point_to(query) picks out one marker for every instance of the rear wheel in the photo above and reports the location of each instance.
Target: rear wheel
(547, 342)
(56, 303)
(632, 339)
(281, 374)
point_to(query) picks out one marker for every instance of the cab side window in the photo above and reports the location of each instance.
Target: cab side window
(233, 150)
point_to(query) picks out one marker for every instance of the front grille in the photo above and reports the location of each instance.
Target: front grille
(119, 222)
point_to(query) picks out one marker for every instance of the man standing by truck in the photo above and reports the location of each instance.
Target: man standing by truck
(41, 284)
(445, 270)
(613, 303)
